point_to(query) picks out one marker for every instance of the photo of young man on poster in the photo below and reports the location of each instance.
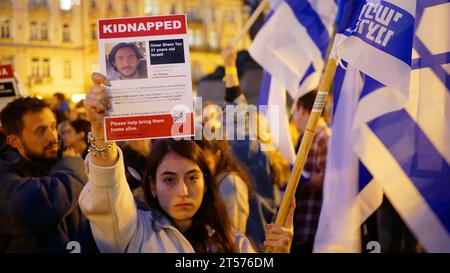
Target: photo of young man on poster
(127, 61)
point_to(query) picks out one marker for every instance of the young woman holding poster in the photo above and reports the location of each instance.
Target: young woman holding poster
(187, 213)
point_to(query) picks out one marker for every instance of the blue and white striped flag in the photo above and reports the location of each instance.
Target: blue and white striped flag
(401, 151)
(374, 36)
(291, 47)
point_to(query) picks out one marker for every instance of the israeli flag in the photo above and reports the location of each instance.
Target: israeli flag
(291, 47)
(372, 36)
(403, 153)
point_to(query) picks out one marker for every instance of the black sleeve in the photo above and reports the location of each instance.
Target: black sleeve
(30, 205)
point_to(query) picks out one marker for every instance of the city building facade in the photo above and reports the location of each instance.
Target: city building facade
(52, 44)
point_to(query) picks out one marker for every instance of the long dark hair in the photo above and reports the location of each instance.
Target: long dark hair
(227, 163)
(81, 125)
(212, 212)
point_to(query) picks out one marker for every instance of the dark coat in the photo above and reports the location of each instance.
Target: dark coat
(39, 205)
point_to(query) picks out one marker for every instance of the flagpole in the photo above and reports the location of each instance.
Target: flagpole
(305, 144)
(250, 21)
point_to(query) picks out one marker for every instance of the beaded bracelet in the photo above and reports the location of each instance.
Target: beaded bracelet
(96, 150)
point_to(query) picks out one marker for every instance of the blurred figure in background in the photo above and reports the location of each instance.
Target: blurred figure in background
(75, 135)
(279, 169)
(309, 191)
(135, 153)
(60, 107)
(233, 182)
(264, 199)
(78, 111)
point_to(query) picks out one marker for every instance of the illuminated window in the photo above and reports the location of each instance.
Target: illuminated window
(196, 37)
(213, 40)
(110, 6)
(7, 60)
(151, 7)
(93, 31)
(66, 33)
(34, 32)
(4, 31)
(44, 31)
(231, 16)
(213, 14)
(126, 7)
(39, 2)
(46, 67)
(35, 67)
(67, 70)
(194, 15)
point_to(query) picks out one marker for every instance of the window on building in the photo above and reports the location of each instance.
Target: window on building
(213, 14)
(35, 67)
(151, 7)
(196, 38)
(34, 31)
(194, 15)
(231, 16)
(46, 67)
(66, 33)
(5, 32)
(67, 70)
(126, 7)
(44, 31)
(94, 31)
(213, 40)
(110, 6)
(9, 59)
(39, 2)
(191, 37)
(93, 4)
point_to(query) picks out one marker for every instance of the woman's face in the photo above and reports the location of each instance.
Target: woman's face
(179, 188)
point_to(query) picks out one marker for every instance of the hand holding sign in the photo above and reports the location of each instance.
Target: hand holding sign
(97, 103)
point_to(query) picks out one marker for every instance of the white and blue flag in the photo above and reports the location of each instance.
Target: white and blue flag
(380, 145)
(291, 47)
(374, 36)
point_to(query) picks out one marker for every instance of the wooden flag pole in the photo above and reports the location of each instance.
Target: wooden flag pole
(308, 135)
(250, 21)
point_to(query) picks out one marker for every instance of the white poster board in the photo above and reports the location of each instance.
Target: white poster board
(147, 62)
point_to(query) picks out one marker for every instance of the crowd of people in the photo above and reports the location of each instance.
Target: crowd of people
(61, 182)
(136, 196)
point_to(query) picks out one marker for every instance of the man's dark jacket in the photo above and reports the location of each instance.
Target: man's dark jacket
(39, 205)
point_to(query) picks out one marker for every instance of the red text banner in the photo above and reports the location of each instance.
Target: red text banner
(154, 126)
(142, 26)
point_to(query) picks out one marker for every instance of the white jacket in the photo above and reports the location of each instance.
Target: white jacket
(234, 193)
(118, 226)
